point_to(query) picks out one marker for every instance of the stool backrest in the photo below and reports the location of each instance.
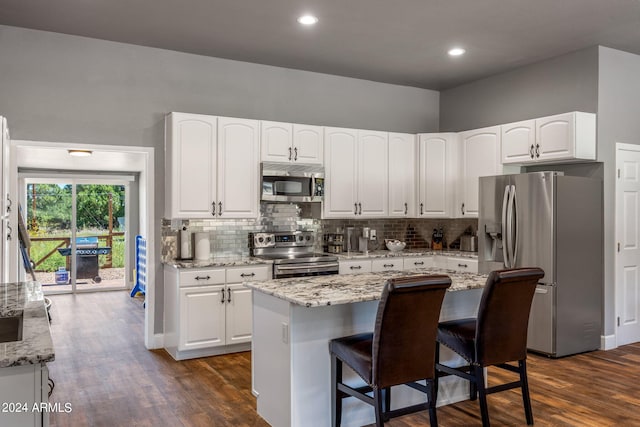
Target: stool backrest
(405, 332)
(503, 315)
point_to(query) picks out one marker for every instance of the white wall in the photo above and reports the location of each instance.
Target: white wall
(56, 87)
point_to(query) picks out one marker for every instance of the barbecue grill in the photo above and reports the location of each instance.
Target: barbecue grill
(87, 252)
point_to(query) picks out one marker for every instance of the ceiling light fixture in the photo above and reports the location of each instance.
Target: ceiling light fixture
(80, 153)
(456, 51)
(307, 20)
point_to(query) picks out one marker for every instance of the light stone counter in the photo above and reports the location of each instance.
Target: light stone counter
(238, 261)
(405, 254)
(36, 345)
(345, 289)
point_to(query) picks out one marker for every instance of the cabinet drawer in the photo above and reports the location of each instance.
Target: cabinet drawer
(417, 262)
(355, 267)
(386, 264)
(253, 273)
(463, 264)
(201, 277)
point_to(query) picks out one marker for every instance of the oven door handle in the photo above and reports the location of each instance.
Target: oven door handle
(307, 265)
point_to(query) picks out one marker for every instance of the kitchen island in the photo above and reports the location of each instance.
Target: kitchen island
(293, 321)
(25, 348)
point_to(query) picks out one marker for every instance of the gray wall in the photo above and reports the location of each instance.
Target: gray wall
(558, 85)
(63, 88)
(618, 121)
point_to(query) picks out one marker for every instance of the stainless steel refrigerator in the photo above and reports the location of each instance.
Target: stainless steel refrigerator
(555, 222)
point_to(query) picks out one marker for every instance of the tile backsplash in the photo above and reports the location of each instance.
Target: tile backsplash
(229, 237)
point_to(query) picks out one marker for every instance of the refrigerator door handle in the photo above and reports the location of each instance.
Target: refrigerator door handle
(510, 218)
(514, 215)
(505, 231)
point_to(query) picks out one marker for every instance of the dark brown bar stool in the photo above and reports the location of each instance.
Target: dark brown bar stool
(401, 349)
(497, 336)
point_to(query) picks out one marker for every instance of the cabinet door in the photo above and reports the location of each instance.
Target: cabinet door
(308, 144)
(202, 317)
(436, 183)
(480, 157)
(387, 264)
(556, 137)
(276, 140)
(518, 142)
(340, 172)
(238, 168)
(354, 267)
(465, 265)
(191, 167)
(238, 314)
(412, 263)
(373, 174)
(402, 175)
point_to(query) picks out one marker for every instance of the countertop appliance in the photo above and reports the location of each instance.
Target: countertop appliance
(285, 182)
(292, 254)
(555, 222)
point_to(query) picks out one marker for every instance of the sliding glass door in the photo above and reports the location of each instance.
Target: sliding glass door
(77, 231)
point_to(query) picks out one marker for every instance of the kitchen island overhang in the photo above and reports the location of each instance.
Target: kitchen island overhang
(293, 321)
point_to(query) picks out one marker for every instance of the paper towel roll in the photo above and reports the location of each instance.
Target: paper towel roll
(202, 246)
(186, 244)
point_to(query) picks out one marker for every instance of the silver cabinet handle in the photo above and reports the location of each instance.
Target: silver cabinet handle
(213, 208)
(388, 265)
(418, 263)
(222, 300)
(219, 208)
(531, 151)
(421, 208)
(9, 232)
(247, 274)
(203, 277)
(289, 153)
(463, 265)
(462, 209)
(355, 212)
(355, 267)
(406, 208)
(9, 203)
(360, 208)
(295, 157)
(537, 150)
(229, 296)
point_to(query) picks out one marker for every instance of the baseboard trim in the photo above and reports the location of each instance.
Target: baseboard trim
(608, 342)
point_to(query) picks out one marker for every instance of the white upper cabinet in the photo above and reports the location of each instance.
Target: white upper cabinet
(480, 151)
(287, 142)
(402, 175)
(308, 144)
(560, 138)
(373, 173)
(191, 165)
(238, 141)
(341, 148)
(211, 167)
(437, 168)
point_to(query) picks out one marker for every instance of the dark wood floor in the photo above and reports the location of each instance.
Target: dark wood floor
(103, 370)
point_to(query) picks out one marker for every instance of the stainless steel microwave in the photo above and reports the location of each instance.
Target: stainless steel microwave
(285, 182)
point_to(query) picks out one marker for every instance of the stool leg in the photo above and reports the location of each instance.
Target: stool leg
(431, 395)
(377, 402)
(484, 411)
(336, 397)
(436, 376)
(387, 399)
(524, 382)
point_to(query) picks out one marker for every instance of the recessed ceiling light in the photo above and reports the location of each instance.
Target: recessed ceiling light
(80, 153)
(307, 20)
(456, 51)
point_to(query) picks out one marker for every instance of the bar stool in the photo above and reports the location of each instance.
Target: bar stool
(497, 336)
(401, 349)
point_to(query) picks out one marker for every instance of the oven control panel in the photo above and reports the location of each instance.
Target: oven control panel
(281, 239)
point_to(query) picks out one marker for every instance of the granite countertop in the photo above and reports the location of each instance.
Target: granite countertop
(405, 253)
(36, 345)
(316, 291)
(237, 261)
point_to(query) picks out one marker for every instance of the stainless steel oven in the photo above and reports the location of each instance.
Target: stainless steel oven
(284, 182)
(292, 254)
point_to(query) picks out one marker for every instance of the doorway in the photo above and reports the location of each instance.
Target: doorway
(77, 226)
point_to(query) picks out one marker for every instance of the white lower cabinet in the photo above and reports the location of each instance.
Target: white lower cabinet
(466, 265)
(412, 263)
(208, 311)
(354, 266)
(23, 389)
(387, 264)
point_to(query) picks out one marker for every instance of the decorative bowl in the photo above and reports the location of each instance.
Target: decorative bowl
(395, 245)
